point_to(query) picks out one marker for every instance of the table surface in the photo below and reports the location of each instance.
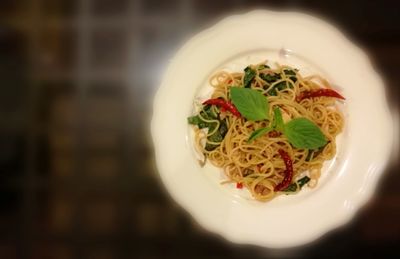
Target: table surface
(77, 172)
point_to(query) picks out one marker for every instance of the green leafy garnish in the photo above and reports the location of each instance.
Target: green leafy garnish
(303, 133)
(300, 132)
(218, 135)
(196, 120)
(291, 74)
(312, 153)
(272, 78)
(207, 114)
(278, 121)
(277, 124)
(249, 75)
(252, 104)
(263, 66)
(279, 87)
(303, 181)
(258, 133)
(293, 186)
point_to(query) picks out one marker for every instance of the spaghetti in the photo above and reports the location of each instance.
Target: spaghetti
(225, 138)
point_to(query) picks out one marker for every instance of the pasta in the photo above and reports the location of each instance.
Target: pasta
(251, 152)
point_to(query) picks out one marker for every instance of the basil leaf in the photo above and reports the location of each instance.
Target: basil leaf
(313, 153)
(279, 86)
(196, 120)
(272, 92)
(252, 104)
(283, 85)
(278, 121)
(263, 66)
(258, 133)
(218, 136)
(303, 133)
(249, 75)
(270, 78)
(293, 186)
(277, 124)
(303, 181)
(207, 114)
(291, 74)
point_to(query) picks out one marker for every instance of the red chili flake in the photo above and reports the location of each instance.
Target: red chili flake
(260, 189)
(225, 105)
(274, 134)
(288, 172)
(318, 93)
(230, 81)
(239, 185)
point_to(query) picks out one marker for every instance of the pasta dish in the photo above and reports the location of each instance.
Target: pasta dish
(268, 128)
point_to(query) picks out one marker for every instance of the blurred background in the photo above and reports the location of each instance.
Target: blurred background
(77, 172)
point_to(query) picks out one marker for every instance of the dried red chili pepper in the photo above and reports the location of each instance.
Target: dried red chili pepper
(318, 93)
(225, 106)
(239, 185)
(288, 172)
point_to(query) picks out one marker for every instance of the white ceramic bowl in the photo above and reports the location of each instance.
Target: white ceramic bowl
(347, 181)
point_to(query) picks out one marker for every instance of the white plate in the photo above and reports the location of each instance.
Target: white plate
(347, 181)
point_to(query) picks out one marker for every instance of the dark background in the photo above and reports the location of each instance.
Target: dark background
(77, 173)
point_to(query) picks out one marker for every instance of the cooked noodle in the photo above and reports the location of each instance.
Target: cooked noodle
(257, 165)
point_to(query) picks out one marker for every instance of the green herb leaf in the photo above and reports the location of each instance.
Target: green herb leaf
(272, 92)
(270, 78)
(249, 75)
(313, 153)
(208, 114)
(277, 124)
(303, 133)
(278, 121)
(252, 104)
(218, 136)
(283, 85)
(279, 87)
(196, 120)
(293, 186)
(258, 133)
(301, 182)
(291, 73)
(263, 66)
